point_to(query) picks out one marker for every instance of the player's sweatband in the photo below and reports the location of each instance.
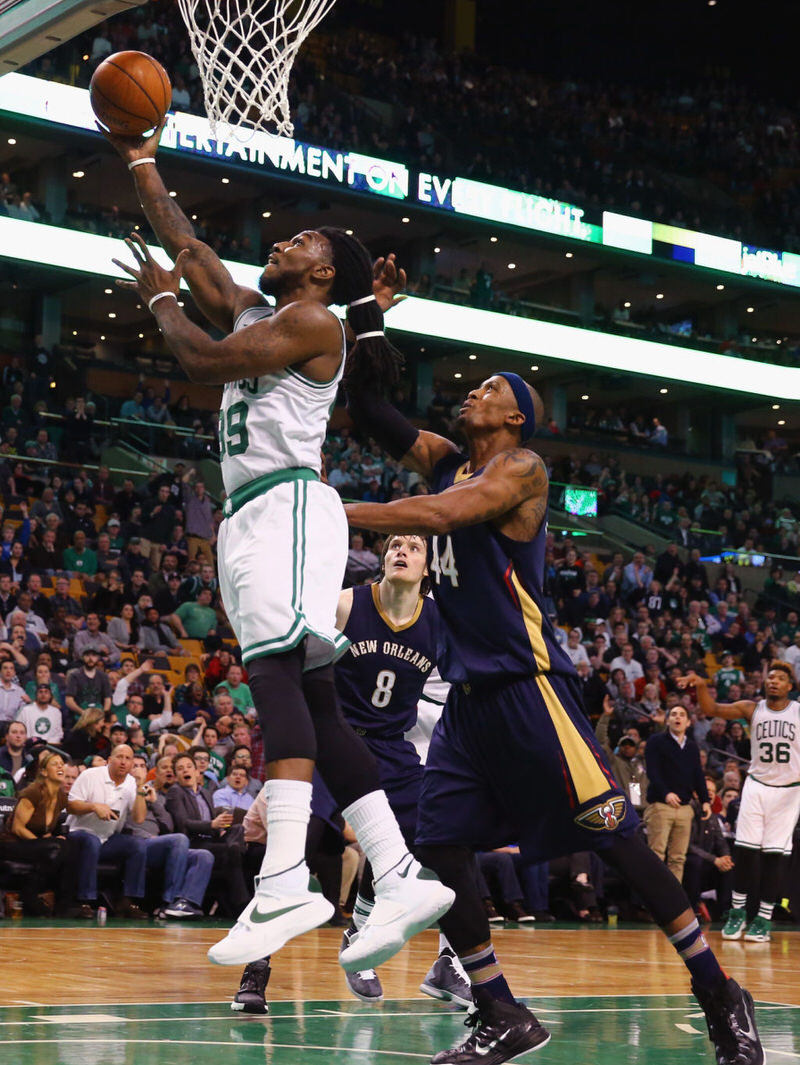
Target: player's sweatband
(376, 416)
(160, 296)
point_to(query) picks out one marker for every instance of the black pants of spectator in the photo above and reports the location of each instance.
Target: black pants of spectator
(496, 870)
(700, 875)
(575, 897)
(324, 847)
(54, 862)
(228, 867)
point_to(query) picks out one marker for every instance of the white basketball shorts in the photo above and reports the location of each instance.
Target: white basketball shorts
(282, 557)
(767, 817)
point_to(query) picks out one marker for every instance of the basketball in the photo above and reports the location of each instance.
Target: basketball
(130, 92)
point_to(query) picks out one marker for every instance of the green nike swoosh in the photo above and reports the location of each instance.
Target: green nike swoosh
(261, 918)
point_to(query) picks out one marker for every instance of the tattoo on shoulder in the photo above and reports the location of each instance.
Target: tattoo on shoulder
(524, 464)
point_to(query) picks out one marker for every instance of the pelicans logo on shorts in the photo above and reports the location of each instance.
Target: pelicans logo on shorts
(605, 815)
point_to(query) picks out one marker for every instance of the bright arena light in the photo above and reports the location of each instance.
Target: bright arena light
(90, 254)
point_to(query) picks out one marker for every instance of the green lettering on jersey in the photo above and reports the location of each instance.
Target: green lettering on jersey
(233, 435)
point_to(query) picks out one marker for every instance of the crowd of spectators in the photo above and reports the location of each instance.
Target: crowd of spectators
(115, 651)
(697, 156)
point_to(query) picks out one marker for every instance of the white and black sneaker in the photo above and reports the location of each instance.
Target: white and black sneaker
(250, 996)
(408, 898)
(731, 1021)
(364, 984)
(446, 981)
(501, 1032)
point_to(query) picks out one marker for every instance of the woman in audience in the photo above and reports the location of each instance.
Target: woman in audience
(32, 837)
(124, 630)
(89, 736)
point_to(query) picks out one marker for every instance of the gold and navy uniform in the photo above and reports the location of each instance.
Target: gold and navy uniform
(488, 588)
(513, 757)
(379, 680)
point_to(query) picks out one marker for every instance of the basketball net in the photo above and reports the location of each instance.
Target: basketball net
(244, 50)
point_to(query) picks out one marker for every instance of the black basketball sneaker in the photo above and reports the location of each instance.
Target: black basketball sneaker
(731, 1021)
(250, 996)
(500, 1032)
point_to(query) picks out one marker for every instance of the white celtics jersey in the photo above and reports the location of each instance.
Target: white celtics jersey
(273, 422)
(775, 745)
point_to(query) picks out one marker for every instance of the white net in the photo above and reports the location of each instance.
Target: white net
(244, 50)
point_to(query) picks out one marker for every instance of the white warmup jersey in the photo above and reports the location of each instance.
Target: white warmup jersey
(282, 547)
(775, 744)
(273, 422)
(770, 803)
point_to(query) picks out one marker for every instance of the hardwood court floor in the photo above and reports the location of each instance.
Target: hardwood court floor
(126, 995)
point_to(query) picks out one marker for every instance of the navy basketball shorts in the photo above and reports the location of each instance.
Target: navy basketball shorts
(519, 763)
(400, 774)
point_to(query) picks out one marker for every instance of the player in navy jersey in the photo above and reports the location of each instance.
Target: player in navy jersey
(513, 756)
(393, 629)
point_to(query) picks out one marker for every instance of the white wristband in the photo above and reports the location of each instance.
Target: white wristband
(141, 162)
(364, 299)
(374, 333)
(160, 296)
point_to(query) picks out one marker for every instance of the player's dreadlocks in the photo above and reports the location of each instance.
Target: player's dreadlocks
(373, 360)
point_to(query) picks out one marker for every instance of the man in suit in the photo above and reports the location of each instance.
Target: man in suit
(193, 814)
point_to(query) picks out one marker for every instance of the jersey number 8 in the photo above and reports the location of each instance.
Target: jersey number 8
(384, 683)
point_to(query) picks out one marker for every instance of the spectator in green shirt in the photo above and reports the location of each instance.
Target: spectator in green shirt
(199, 619)
(80, 559)
(236, 688)
(726, 676)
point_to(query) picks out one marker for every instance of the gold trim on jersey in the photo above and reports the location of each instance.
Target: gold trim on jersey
(376, 599)
(461, 473)
(587, 776)
(532, 618)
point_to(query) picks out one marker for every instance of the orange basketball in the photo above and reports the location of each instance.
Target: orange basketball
(130, 92)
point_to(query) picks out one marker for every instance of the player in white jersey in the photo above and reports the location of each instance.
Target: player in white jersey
(283, 544)
(770, 803)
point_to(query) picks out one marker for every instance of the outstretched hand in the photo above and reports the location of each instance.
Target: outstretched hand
(150, 278)
(134, 147)
(688, 681)
(388, 283)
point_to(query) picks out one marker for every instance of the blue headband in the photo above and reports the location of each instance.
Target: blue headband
(522, 395)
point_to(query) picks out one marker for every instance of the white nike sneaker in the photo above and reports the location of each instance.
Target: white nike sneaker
(407, 899)
(270, 921)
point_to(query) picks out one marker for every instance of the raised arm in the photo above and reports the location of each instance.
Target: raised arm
(417, 449)
(213, 289)
(731, 711)
(512, 492)
(304, 334)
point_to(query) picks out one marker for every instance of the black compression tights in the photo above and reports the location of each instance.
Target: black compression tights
(300, 717)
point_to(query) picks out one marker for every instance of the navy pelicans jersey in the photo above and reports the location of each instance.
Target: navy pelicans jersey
(381, 676)
(273, 422)
(489, 592)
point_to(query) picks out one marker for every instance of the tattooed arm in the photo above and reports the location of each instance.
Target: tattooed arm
(511, 492)
(213, 289)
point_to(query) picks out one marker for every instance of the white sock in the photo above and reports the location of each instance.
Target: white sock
(443, 944)
(288, 814)
(765, 910)
(377, 831)
(361, 910)
(738, 900)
